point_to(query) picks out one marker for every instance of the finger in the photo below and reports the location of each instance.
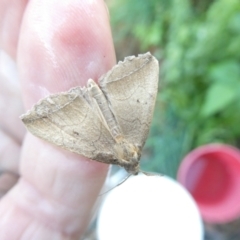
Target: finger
(9, 154)
(10, 99)
(11, 129)
(11, 12)
(9, 163)
(61, 45)
(7, 181)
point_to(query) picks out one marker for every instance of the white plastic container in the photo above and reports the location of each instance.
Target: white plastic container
(149, 207)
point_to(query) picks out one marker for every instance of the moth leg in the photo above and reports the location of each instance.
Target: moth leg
(131, 167)
(124, 162)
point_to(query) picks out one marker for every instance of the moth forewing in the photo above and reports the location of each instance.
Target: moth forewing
(131, 89)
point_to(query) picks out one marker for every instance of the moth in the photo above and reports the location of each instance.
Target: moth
(108, 122)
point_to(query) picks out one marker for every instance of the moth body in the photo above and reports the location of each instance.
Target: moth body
(128, 156)
(103, 109)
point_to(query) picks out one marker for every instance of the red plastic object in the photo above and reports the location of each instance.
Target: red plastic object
(211, 173)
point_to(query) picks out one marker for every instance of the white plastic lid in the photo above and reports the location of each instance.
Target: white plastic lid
(149, 207)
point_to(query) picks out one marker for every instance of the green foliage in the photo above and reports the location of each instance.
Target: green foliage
(224, 89)
(198, 45)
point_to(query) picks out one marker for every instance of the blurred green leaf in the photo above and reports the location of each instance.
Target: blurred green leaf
(218, 97)
(227, 72)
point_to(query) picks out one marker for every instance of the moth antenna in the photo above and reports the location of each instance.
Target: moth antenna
(151, 174)
(125, 179)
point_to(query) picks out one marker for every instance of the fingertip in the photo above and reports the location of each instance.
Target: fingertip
(62, 45)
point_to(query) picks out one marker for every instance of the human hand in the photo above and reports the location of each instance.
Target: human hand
(56, 45)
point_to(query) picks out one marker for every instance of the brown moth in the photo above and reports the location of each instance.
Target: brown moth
(108, 123)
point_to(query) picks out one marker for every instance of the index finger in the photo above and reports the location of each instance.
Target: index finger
(61, 46)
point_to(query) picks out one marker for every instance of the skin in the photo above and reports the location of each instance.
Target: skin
(47, 192)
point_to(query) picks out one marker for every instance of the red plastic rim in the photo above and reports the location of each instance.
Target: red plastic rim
(211, 173)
